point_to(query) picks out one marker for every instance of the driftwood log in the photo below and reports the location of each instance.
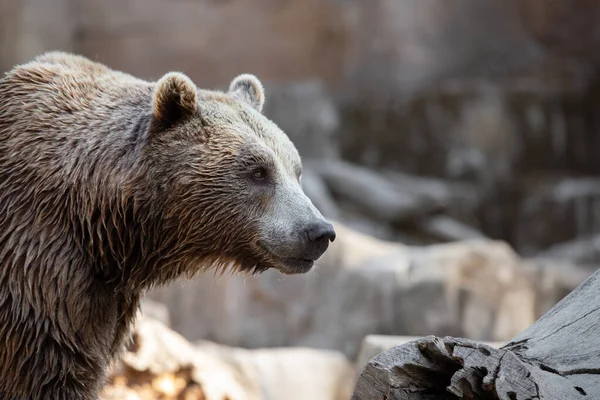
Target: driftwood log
(557, 358)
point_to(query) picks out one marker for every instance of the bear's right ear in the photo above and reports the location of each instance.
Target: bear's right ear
(247, 88)
(174, 99)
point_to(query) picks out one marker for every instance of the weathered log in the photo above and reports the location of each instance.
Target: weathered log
(373, 345)
(556, 358)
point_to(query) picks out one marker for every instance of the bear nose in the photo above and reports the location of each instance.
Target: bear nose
(321, 231)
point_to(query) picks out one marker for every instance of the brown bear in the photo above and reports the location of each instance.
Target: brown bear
(110, 185)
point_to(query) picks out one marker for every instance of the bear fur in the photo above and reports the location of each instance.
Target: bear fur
(110, 185)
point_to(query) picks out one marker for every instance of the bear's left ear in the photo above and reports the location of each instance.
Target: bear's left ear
(174, 99)
(247, 88)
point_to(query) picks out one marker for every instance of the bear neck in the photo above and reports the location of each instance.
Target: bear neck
(131, 246)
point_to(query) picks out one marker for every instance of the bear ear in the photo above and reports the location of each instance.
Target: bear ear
(174, 99)
(247, 88)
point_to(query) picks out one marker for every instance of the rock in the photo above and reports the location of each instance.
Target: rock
(458, 198)
(316, 190)
(514, 83)
(444, 228)
(477, 130)
(373, 193)
(583, 251)
(381, 230)
(479, 289)
(291, 373)
(390, 205)
(496, 136)
(308, 115)
(414, 41)
(161, 364)
(563, 29)
(119, 392)
(572, 204)
(155, 311)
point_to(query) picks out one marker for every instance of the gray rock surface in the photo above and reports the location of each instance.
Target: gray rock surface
(573, 204)
(155, 311)
(379, 197)
(419, 42)
(290, 373)
(306, 111)
(583, 251)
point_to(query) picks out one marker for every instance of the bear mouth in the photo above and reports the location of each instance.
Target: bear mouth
(296, 265)
(288, 265)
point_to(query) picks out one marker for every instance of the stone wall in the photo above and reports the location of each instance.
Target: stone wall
(210, 40)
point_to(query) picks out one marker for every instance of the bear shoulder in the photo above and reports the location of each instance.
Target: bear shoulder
(64, 81)
(62, 69)
(73, 62)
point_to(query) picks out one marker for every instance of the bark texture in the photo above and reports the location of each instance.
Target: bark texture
(557, 358)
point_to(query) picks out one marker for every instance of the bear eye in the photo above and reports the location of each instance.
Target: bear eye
(259, 174)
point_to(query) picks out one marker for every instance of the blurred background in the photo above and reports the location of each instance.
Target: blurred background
(456, 143)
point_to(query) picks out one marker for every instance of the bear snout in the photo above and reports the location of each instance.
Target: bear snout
(321, 231)
(318, 235)
(298, 252)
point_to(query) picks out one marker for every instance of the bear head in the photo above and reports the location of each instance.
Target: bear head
(230, 179)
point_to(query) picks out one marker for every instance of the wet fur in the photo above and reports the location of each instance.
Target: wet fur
(89, 218)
